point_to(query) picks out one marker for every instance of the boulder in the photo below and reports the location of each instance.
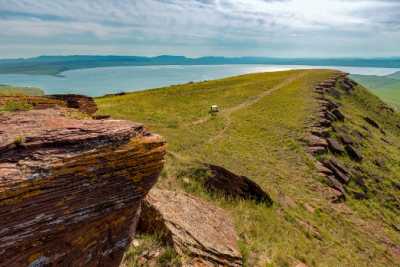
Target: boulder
(320, 132)
(339, 171)
(70, 188)
(322, 169)
(353, 153)
(316, 141)
(334, 183)
(323, 123)
(84, 104)
(372, 122)
(347, 85)
(201, 233)
(335, 93)
(317, 150)
(358, 136)
(329, 116)
(338, 114)
(335, 146)
(220, 180)
(346, 139)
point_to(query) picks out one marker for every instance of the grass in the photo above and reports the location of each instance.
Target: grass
(8, 90)
(150, 247)
(12, 105)
(385, 87)
(259, 133)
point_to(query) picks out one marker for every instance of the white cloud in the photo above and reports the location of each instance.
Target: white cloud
(244, 24)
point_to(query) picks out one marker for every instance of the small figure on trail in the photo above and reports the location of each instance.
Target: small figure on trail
(214, 109)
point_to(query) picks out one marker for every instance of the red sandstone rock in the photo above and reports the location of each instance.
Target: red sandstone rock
(201, 233)
(232, 185)
(84, 104)
(69, 189)
(315, 141)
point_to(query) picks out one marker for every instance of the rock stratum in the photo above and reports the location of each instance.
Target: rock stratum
(201, 233)
(71, 188)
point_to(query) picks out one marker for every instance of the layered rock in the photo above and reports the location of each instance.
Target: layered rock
(218, 179)
(69, 188)
(199, 232)
(319, 140)
(84, 104)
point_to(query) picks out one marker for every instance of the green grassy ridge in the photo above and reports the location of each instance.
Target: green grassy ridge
(263, 140)
(9, 90)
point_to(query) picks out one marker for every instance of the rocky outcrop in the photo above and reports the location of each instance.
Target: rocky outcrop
(199, 232)
(84, 104)
(225, 183)
(69, 188)
(320, 141)
(372, 122)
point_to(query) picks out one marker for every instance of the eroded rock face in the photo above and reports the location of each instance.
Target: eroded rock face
(69, 189)
(84, 104)
(200, 232)
(329, 112)
(235, 186)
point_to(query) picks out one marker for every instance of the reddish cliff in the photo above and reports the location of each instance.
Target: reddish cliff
(69, 188)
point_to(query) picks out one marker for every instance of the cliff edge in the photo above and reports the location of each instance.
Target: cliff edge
(71, 188)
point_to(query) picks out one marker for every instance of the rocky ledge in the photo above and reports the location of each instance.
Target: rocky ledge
(202, 234)
(320, 140)
(70, 189)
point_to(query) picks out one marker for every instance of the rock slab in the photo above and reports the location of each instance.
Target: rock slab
(201, 233)
(70, 188)
(235, 186)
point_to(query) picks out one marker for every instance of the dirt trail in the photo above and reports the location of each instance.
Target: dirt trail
(226, 113)
(251, 101)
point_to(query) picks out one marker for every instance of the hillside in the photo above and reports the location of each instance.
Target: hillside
(55, 65)
(395, 75)
(17, 90)
(386, 87)
(261, 132)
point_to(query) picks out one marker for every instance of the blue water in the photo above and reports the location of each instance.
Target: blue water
(100, 81)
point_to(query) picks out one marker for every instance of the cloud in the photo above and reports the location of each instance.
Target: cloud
(239, 26)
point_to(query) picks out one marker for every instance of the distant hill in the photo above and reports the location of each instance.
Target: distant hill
(395, 75)
(54, 65)
(386, 87)
(10, 90)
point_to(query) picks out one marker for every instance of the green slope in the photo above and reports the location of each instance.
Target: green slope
(395, 75)
(386, 87)
(259, 133)
(10, 90)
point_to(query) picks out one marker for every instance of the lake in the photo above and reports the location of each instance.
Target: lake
(101, 81)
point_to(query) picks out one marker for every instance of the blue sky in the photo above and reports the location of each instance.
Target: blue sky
(278, 28)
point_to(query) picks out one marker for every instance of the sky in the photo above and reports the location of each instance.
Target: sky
(274, 28)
